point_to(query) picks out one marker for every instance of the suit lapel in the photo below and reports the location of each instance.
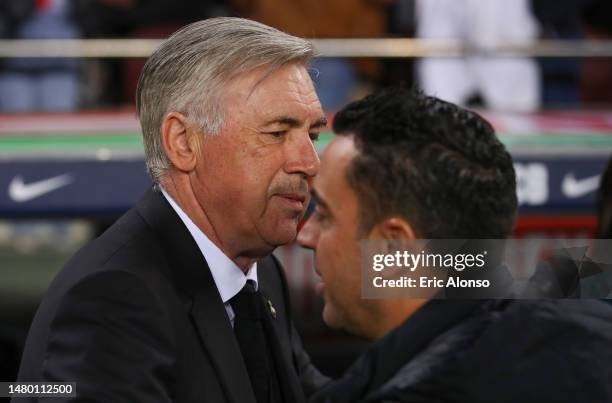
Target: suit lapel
(281, 349)
(190, 273)
(279, 328)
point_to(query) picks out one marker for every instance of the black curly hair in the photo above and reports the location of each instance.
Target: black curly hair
(431, 162)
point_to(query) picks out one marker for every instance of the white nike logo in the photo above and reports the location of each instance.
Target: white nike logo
(574, 188)
(21, 192)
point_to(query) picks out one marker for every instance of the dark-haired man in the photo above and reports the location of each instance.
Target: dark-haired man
(407, 166)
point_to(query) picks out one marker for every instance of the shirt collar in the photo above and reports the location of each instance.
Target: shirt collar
(228, 277)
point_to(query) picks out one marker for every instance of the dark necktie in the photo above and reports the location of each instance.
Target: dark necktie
(251, 336)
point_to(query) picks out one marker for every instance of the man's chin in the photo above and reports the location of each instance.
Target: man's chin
(282, 236)
(283, 231)
(330, 317)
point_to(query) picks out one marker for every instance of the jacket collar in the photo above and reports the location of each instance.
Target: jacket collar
(387, 355)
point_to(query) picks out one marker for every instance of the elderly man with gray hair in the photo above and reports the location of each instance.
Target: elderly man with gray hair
(180, 300)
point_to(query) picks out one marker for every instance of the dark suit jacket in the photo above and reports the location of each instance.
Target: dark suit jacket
(482, 351)
(135, 316)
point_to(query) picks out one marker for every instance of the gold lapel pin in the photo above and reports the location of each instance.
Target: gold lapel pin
(271, 308)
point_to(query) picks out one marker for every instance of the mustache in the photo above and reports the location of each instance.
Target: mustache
(289, 185)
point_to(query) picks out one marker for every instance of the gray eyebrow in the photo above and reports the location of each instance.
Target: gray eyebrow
(294, 122)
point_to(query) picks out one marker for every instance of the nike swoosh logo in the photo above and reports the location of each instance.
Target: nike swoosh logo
(574, 188)
(21, 192)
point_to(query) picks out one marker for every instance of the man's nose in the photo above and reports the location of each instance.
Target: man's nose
(302, 157)
(307, 237)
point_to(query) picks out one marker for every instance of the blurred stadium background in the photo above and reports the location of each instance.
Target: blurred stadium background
(539, 70)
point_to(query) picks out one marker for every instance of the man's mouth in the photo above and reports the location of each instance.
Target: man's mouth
(295, 200)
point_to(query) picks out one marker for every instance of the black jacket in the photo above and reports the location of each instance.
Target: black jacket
(487, 351)
(135, 316)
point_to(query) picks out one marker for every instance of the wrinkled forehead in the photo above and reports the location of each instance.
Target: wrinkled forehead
(262, 77)
(268, 92)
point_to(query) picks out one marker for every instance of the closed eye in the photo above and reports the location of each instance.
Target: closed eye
(277, 134)
(319, 215)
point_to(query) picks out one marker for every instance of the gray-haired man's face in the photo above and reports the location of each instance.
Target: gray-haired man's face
(253, 178)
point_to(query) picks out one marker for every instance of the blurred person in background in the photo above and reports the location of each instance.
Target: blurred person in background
(571, 81)
(116, 80)
(596, 73)
(336, 79)
(38, 84)
(508, 84)
(180, 300)
(559, 20)
(408, 166)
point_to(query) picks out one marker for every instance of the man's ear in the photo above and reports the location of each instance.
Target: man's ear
(179, 142)
(394, 228)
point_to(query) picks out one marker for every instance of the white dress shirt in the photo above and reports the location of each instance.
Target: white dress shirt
(228, 277)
